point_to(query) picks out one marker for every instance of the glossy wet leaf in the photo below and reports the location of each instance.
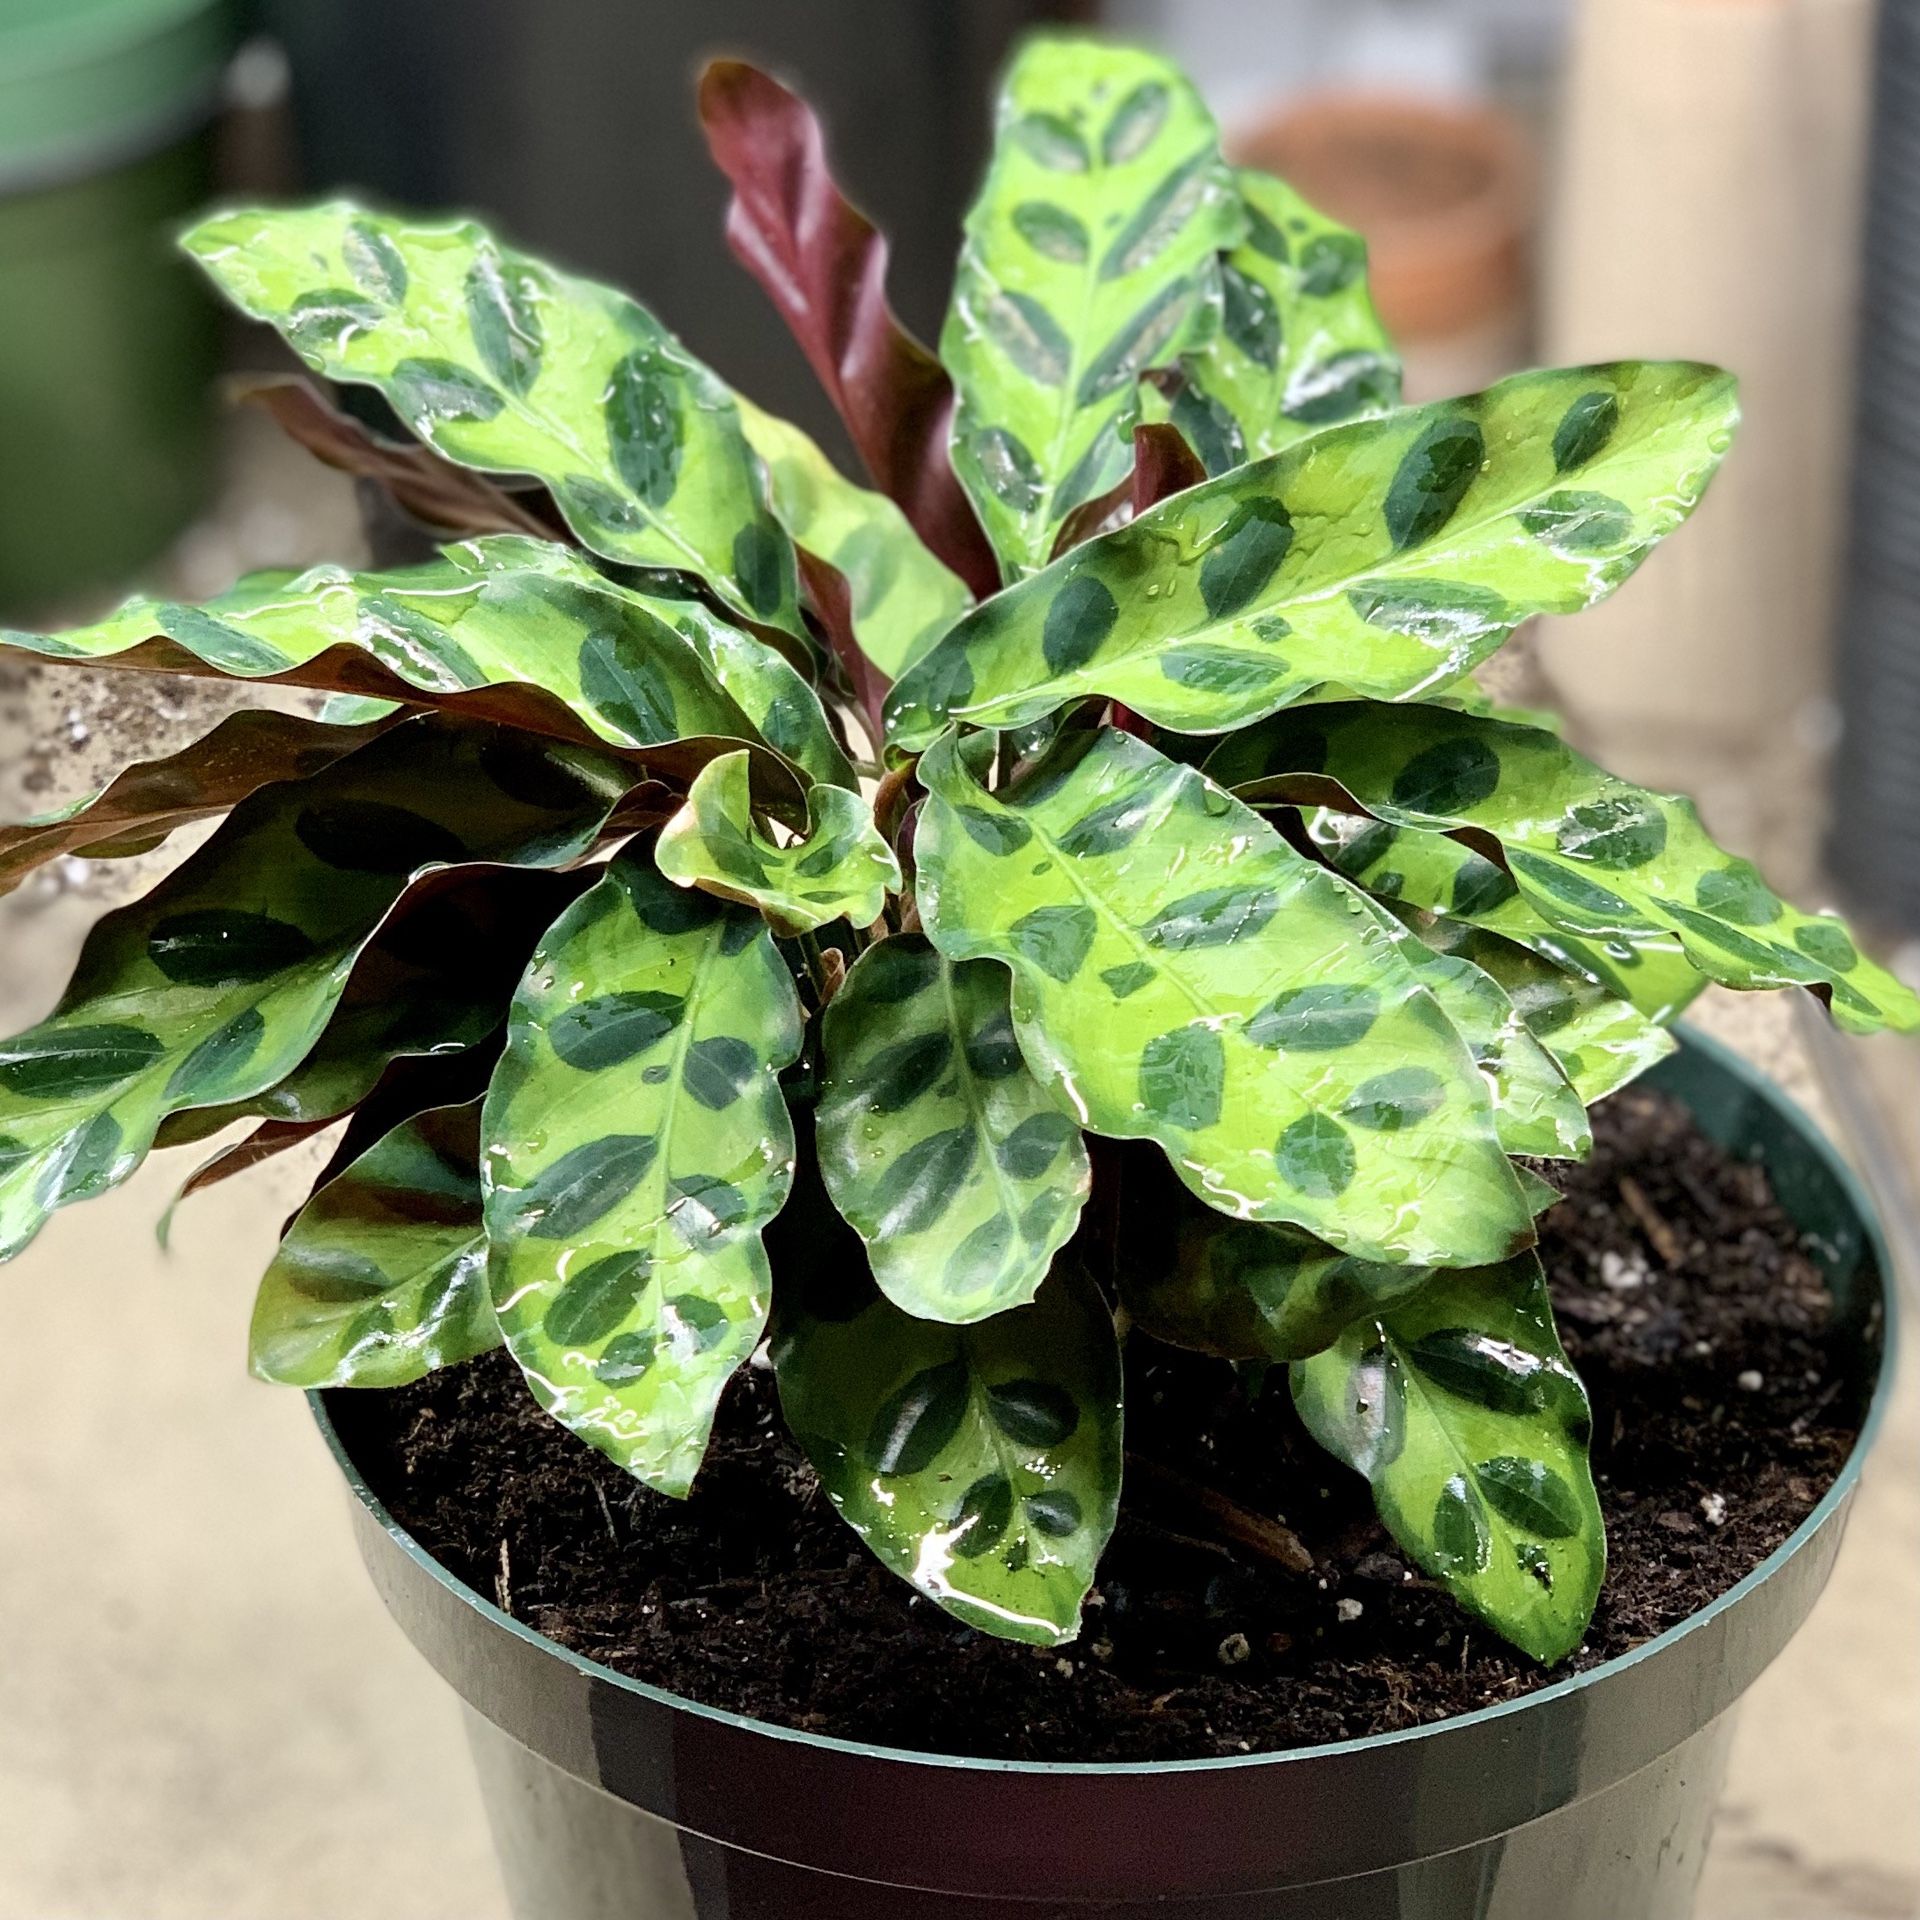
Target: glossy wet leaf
(1599, 1041)
(508, 365)
(960, 1172)
(1589, 853)
(635, 669)
(838, 868)
(1090, 257)
(1182, 975)
(1299, 347)
(382, 1277)
(1459, 1406)
(1388, 556)
(216, 984)
(1432, 873)
(981, 1463)
(635, 1144)
(903, 599)
(148, 800)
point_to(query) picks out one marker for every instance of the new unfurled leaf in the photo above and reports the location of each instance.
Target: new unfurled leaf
(1598, 1040)
(825, 268)
(147, 801)
(1459, 1406)
(1182, 975)
(1388, 556)
(217, 983)
(1090, 257)
(382, 1277)
(507, 614)
(981, 1463)
(1431, 873)
(508, 365)
(839, 868)
(1588, 852)
(903, 599)
(1299, 347)
(960, 1172)
(635, 1143)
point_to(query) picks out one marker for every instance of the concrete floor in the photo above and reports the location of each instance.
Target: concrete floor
(204, 1714)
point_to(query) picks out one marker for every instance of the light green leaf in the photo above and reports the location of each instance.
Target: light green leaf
(1299, 347)
(634, 1145)
(1182, 975)
(382, 1278)
(981, 1463)
(1598, 1040)
(1388, 556)
(939, 1147)
(1430, 872)
(637, 669)
(1535, 1110)
(1090, 257)
(145, 802)
(509, 366)
(903, 598)
(840, 868)
(216, 984)
(1459, 1406)
(1588, 852)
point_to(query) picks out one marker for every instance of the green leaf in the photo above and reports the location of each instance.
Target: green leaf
(635, 669)
(1242, 1289)
(635, 1144)
(382, 1277)
(840, 868)
(217, 983)
(1458, 1405)
(1588, 852)
(1598, 1041)
(1299, 347)
(1090, 257)
(1432, 873)
(981, 1463)
(1535, 1110)
(1388, 556)
(1182, 975)
(903, 598)
(950, 1160)
(507, 365)
(144, 803)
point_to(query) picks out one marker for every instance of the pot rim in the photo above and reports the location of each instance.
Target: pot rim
(1874, 1242)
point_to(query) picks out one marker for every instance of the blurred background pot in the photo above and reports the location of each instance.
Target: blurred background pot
(1590, 1799)
(107, 344)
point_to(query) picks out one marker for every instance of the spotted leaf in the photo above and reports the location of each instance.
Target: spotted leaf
(1090, 257)
(955, 1166)
(1388, 556)
(982, 1462)
(634, 1145)
(509, 366)
(382, 1277)
(481, 625)
(839, 868)
(1458, 1405)
(1587, 852)
(1249, 1013)
(1299, 347)
(216, 984)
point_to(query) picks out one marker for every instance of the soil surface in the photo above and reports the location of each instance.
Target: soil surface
(1686, 1302)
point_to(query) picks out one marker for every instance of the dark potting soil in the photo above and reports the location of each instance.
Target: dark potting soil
(1686, 1302)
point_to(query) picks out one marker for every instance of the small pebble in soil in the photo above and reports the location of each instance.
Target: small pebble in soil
(1348, 1611)
(1714, 1506)
(1235, 1650)
(1751, 1381)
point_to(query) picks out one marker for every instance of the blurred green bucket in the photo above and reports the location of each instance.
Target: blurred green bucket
(106, 341)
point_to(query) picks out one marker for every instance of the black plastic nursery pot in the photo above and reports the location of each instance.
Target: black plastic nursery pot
(1590, 1799)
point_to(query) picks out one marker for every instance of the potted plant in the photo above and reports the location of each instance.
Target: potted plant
(919, 976)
